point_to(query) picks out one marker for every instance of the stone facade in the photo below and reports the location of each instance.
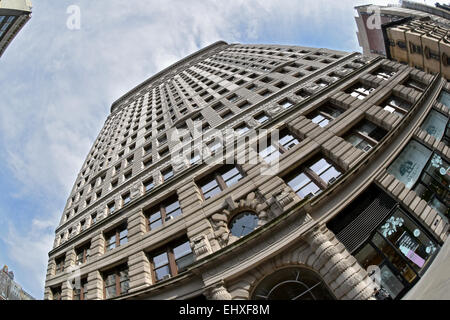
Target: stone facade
(125, 180)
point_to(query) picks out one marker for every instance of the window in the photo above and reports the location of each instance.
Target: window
(243, 224)
(148, 185)
(244, 105)
(82, 254)
(312, 178)
(171, 261)
(126, 198)
(163, 212)
(426, 173)
(292, 283)
(401, 249)
(416, 85)
(222, 179)
(365, 135)
(227, 115)
(127, 175)
(360, 91)
(116, 282)
(116, 237)
(384, 74)
(396, 105)
(114, 183)
(56, 292)
(242, 129)
(59, 264)
(111, 207)
(167, 174)
(437, 125)
(273, 151)
(325, 114)
(93, 218)
(262, 118)
(81, 292)
(286, 103)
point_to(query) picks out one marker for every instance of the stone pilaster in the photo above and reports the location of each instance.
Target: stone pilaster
(137, 225)
(139, 271)
(48, 294)
(70, 259)
(97, 246)
(95, 286)
(51, 268)
(345, 277)
(66, 291)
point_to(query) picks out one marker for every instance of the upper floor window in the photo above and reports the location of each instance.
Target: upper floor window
(396, 105)
(360, 91)
(171, 260)
(325, 114)
(116, 282)
(163, 212)
(416, 85)
(286, 141)
(116, 237)
(365, 135)
(222, 179)
(313, 177)
(82, 254)
(384, 74)
(56, 292)
(59, 264)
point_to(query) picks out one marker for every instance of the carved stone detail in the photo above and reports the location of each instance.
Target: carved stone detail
(219, 292)
(220, 220)
(201, 246)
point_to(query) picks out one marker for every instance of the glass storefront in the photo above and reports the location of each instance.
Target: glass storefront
(401, 250)
(425, 172)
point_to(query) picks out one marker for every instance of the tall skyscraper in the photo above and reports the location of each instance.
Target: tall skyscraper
(14, 14)
(335, 169)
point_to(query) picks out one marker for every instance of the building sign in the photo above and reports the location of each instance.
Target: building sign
(408, 247)
(409, 165)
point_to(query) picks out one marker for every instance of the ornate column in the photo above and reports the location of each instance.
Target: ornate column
(343, 277)
(97, 246)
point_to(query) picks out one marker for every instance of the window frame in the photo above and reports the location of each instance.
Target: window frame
(220, 181)
(116, 272)
(115, 233)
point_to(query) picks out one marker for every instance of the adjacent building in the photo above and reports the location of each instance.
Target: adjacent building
(414, 34)
(350, 185)
(14, 14)
(9, 289)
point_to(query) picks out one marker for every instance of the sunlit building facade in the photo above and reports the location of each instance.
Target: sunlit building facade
(352, 184)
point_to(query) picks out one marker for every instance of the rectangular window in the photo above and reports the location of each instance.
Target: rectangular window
(384, 74)
(437, 125)
(111, 207)
(275, 149)
(165, 211)
(325, 114)
(59, 264)
(171, 261)
(360, 91)
(116, 237)
(82, 254)
(81, 292)
(313, 177)
(56, 292)
(126, 198)
(262, 118)
(221, 180)
(365, 135)
(416, 85)
(116, 282)
(396, 105)
(167, 174)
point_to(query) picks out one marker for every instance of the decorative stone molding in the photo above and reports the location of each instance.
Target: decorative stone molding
(220, 220)
(136, 191)
(218, 292)
(201, 246)
(280, 200)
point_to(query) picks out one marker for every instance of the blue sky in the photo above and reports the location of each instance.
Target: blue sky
(57, 85)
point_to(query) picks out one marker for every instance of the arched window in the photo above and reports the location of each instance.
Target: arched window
(243, 224)
(293, 283)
